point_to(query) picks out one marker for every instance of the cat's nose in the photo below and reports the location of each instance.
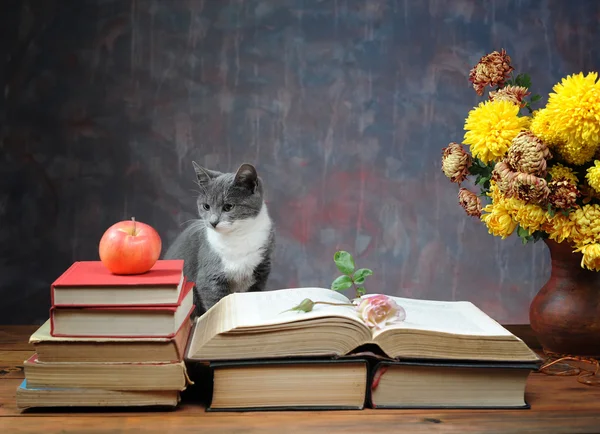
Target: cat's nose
(214, 223)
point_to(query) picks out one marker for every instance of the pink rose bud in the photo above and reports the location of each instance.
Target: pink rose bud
(380, 310)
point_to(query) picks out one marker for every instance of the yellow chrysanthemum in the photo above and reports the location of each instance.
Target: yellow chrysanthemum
(576, 153)
(558, 172)
(591, 256)
(559, 227)
(573, 109)
(540, 126)
(495, 192)
(593, 176)
(498, 220)
(528, 215)
(587, 220)
(490, 128)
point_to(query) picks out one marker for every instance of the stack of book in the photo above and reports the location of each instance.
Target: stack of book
(262, 356)
(111, 340)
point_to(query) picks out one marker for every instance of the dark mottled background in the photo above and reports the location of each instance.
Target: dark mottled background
(343, 105)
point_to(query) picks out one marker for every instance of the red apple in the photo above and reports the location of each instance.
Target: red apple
(130, 247)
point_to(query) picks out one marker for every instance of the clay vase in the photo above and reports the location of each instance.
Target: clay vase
(565, 313)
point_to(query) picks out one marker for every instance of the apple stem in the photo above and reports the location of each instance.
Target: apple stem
(133, 220)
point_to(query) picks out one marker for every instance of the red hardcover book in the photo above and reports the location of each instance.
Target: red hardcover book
(90, 283)
(124, 322)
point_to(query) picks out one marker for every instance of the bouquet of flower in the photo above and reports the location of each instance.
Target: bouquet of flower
(538, 171)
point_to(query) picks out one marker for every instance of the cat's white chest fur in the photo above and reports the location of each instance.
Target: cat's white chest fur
(241, 250)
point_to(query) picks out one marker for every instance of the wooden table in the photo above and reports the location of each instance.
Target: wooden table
(558, 404)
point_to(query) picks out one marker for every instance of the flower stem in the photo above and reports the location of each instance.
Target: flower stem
(333, 304)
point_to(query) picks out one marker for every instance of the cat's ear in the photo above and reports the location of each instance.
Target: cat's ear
(203, 175)
(246, 177)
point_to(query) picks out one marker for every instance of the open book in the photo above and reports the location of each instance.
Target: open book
(258, 325)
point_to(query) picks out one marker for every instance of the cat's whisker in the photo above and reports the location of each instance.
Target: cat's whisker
(187, 221)
(191, 220)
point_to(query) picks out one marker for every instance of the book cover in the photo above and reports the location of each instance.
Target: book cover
(166, 272)
(106, 349)
(185, 300)
(141, 376)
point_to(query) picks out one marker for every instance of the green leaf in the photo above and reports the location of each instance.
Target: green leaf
(344, 262)
(536, 97)
(360, 291)
(482, 180)
(522, 232)
(361, 274)
(341, 283)
(524, 235)
(523, 80)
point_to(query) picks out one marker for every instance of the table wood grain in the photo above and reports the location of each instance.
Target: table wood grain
(558, 405)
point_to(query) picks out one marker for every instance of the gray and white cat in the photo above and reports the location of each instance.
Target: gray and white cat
(228, 249)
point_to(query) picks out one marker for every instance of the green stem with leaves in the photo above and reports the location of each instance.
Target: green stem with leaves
(351, 278)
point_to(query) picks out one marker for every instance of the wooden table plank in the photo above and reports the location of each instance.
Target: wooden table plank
(16, 338)
(316, 422)
(14, 358)
(558, 404)
(11, 373)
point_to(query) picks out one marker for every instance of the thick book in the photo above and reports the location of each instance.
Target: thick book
(259, 325)
(110, 376)
(43, 397)
(109, 349)
(425, 384)
(129, 321)
(90, 283)
(315, 384)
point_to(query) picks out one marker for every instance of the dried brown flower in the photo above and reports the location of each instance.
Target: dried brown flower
(528, 154)
(455, 162)
(504, 177)
(514, 94)
(531, 189)
(470, 202)
(492, 69)
(588, 194)
(563, 194)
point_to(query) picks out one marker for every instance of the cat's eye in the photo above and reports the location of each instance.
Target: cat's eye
(206, 206)
(227, 207)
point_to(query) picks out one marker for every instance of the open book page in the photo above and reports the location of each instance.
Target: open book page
(455, 317)
(259, 309)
